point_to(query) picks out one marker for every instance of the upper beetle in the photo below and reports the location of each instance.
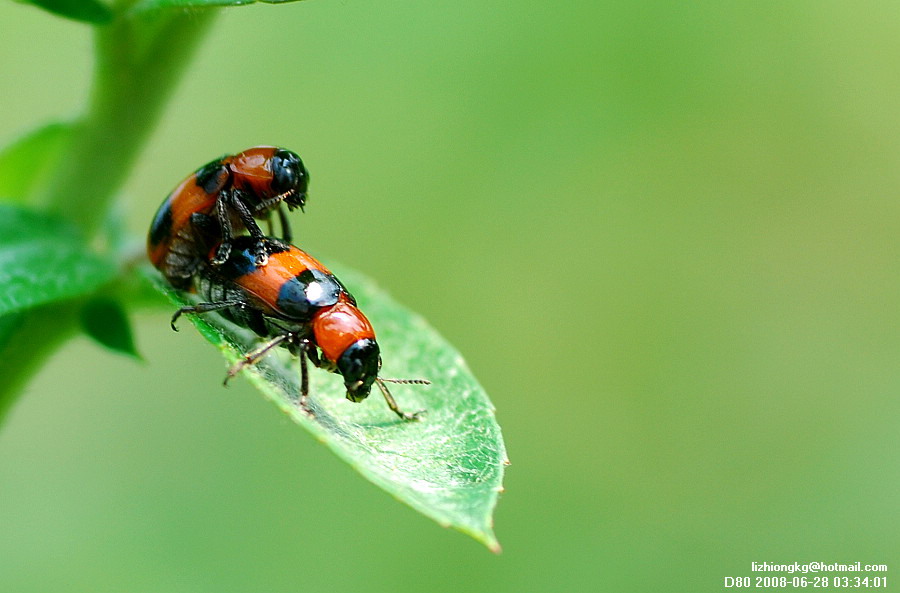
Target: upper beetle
(229, 192)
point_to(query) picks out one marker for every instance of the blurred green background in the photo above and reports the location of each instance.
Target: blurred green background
(664, 235)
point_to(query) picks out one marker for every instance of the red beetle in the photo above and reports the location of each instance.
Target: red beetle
(297, 303)
(224, 194)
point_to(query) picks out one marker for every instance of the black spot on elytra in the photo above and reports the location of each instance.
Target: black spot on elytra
(212, 176)
(306, 293)
(161, 226)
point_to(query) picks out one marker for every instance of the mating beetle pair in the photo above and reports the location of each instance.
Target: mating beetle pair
(261, 282)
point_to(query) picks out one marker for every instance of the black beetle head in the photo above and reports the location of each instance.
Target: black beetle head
(359, 365)
(290, 177)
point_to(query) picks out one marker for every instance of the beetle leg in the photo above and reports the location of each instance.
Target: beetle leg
(313, 355)
(260, 252)
(304, 381)
(252, 357)
(201, 308)
(392, 403)
(286, 234)
(224, 248)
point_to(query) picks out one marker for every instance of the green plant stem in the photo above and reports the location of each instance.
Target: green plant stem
(139, 59)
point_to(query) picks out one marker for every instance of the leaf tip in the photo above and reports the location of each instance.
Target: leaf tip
(484, 535)
(490, 541)
(104, 320)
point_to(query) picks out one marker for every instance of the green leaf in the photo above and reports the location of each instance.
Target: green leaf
(157, 4)
(88, 11)
(8, 325)
(104, 320)
(448, 465)
(26, 163)
(43, 259)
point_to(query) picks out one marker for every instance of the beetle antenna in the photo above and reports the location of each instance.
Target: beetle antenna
(392, 404)
(407, 381)
(266, 204)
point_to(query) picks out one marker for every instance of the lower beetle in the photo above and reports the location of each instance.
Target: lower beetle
(297, 303)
